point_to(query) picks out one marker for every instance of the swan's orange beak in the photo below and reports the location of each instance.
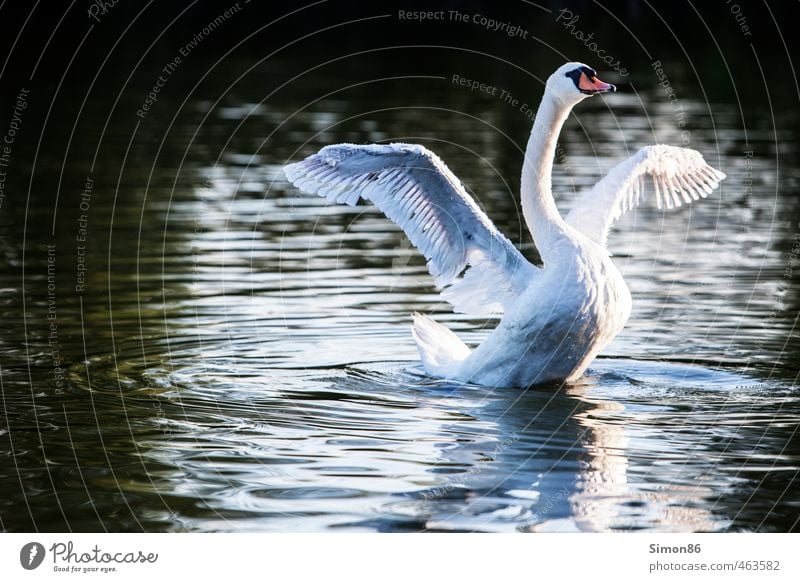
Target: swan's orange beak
(592, 85)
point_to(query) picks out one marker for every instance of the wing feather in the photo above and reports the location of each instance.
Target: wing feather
(679, 176)
(476, 268)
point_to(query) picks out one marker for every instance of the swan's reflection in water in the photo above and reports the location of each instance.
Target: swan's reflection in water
(568, 460)
(634, 446)
(607, 499)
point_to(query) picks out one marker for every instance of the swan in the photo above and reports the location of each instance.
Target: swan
(555, 318)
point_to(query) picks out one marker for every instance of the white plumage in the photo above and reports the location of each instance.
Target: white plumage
(414, 188)
(677, 175)
(556, 318)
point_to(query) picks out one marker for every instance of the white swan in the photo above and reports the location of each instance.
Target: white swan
(557, 317)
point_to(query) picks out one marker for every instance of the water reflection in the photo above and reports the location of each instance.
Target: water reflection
(246, 363)
(382, 448)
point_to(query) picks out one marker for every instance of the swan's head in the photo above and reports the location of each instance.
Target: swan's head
(574, 82)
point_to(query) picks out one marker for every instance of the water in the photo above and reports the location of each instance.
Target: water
(239, 358)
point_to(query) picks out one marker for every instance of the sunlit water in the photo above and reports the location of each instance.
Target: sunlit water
(241, 360)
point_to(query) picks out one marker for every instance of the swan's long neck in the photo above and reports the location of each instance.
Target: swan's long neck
(538, 206)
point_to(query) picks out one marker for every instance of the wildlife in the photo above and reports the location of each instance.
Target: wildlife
(556, 317)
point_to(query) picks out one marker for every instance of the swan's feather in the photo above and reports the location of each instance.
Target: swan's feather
(678, 175)
(439, 348)
(415, 189)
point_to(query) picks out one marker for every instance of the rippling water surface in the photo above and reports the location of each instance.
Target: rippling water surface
(240, 358)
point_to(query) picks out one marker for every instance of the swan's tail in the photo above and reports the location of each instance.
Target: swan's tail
(440, 349)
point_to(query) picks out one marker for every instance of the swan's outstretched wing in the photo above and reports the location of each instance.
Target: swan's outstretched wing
(414, 188)
(678, 176)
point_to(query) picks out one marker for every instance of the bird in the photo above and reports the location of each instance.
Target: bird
(556, 317)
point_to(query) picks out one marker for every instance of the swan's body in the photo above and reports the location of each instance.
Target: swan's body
(557, 317)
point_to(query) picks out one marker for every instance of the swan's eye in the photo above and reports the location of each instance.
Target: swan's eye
(575, 75)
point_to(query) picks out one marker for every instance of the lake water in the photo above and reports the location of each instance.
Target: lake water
(237, 356)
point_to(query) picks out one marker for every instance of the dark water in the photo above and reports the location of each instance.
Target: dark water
(236, 356)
